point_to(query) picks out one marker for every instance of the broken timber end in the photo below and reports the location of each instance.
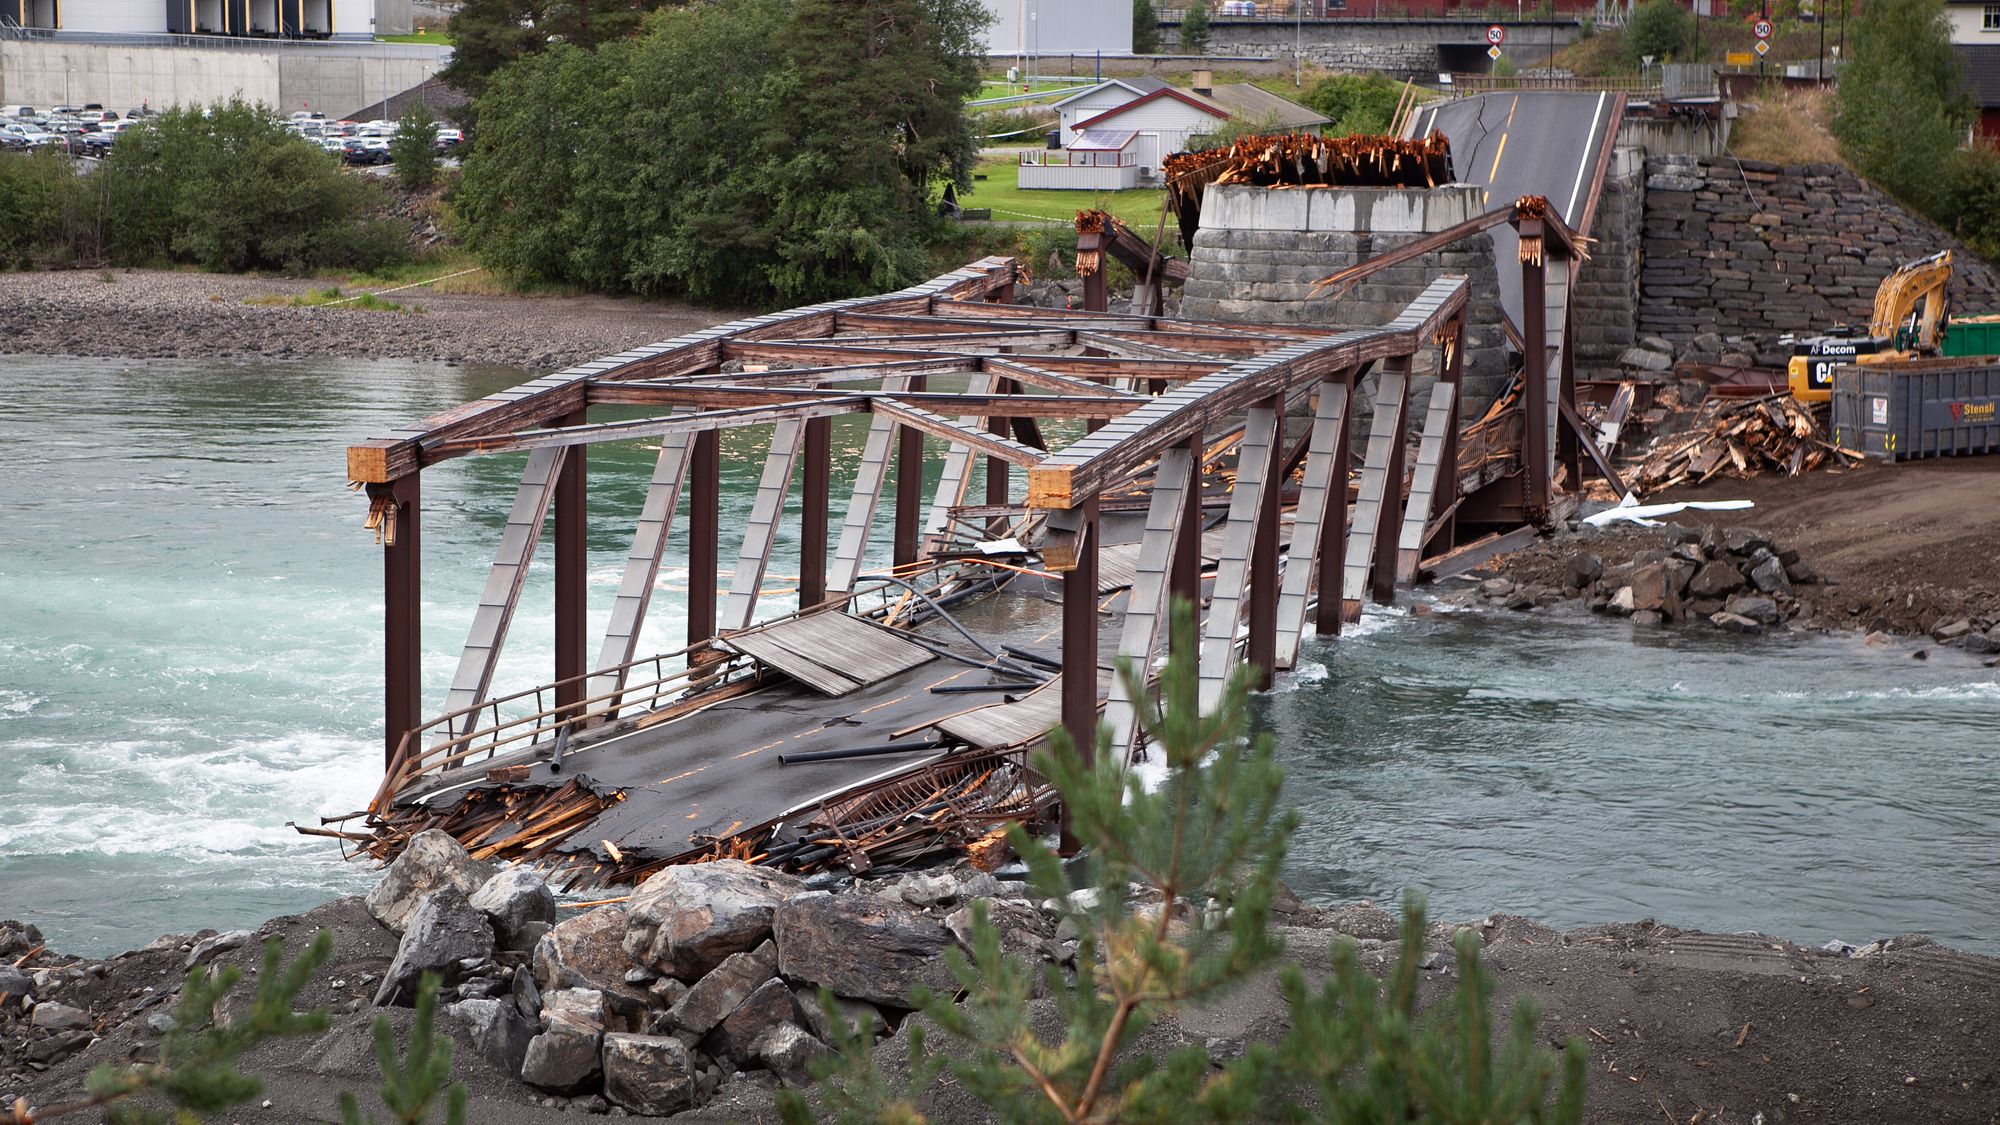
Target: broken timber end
(1049, 487)
(368, 462)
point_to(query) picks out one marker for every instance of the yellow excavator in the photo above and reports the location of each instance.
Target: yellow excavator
(1910, 319)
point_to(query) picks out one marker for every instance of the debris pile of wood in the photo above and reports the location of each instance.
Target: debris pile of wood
(519, 823)
(1303, 160)
(1741, 437)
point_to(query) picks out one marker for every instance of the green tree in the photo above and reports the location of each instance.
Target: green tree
(758, 151)
(488, 34)
(1145, 28)
(1660, 28)
(1900, 112)
(414, 149)
(1358, 104)
(1194, 28)
(1208, 842)
(35, 188)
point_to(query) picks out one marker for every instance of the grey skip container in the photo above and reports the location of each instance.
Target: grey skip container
(1922, 408)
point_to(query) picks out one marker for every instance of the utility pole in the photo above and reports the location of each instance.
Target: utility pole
(1819, 71)
(1298, 43)
(1764, 13)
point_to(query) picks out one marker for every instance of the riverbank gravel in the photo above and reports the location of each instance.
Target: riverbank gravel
(164, 314)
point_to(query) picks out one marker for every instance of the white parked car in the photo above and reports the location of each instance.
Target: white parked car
(29, 133)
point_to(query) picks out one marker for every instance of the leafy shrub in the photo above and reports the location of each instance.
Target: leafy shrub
(228, 188)
(1901, 110)
(1357, 103)
(1145, 28)
(35, 188)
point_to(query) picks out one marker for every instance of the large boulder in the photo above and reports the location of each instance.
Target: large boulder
(1756, 607)
(565, 1057)
(719, 993)
(686, 920)
(650, 1075)
(496, 1030)
(789, 1053)
(514, 898)
(14, 984)
(1653, 589)
(587, 951)
(856, 1015)
(431, 860)
(770, 1005)
(1716, 579)
(861, 947)
(1769, 576)
(444, 931)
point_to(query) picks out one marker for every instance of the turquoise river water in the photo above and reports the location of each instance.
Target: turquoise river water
(190, 615)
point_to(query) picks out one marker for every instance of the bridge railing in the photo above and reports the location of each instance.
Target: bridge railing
(1470, 84)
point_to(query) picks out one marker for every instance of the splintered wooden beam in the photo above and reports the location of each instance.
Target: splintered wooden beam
(817, 376)
(955, 431)
(1120, 449)
(536, 403)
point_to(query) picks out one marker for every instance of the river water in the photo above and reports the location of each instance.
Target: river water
(190, 616)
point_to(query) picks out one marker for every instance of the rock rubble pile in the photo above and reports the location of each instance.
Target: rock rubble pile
(1735, 579)
(705, 974)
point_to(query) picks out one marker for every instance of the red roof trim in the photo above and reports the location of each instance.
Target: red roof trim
(1211, 110)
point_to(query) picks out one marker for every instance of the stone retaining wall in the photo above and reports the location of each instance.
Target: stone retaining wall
(1259, 251)
(1607, 289)
(1747, 250)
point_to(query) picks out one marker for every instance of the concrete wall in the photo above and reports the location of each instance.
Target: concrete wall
(1260, 250)
(1402, 47)
(1738, 252)
(1045, 27)
(332, 78)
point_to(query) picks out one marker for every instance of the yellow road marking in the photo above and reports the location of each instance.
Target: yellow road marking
(1510, 112)
(1497, 154)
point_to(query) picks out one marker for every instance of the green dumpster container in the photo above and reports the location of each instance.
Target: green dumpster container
(1919, 408)
(1978, 335)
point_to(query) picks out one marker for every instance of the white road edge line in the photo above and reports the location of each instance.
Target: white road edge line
(1569, 214)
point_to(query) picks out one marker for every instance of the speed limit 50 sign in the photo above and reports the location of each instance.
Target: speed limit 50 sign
(1496, 35)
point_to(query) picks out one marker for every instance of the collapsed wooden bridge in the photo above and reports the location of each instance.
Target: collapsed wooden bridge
(1122, 460)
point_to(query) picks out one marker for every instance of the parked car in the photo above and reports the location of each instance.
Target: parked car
(29, 134)
(10, 112)
(364, 150)
(448, 141)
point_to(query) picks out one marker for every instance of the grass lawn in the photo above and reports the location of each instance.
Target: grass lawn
(1139, 207)
(439, 36)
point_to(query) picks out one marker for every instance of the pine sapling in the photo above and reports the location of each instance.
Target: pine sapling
(411, 1084)
(1372, 1058)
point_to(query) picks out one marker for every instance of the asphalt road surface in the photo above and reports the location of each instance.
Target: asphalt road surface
(1534, 143)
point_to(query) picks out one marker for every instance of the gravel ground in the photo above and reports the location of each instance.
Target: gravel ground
(166, 314)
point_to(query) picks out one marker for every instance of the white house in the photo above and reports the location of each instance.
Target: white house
(1161, 118)
(1059, 27)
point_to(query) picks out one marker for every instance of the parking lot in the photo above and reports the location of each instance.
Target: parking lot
(91, 130)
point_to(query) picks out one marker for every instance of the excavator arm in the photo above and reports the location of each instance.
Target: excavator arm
(1899, 319)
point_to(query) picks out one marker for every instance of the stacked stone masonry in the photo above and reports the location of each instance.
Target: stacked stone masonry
(1741, 248)
(1607, 288)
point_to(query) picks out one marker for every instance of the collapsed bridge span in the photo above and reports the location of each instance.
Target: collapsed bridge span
(1051, 478)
